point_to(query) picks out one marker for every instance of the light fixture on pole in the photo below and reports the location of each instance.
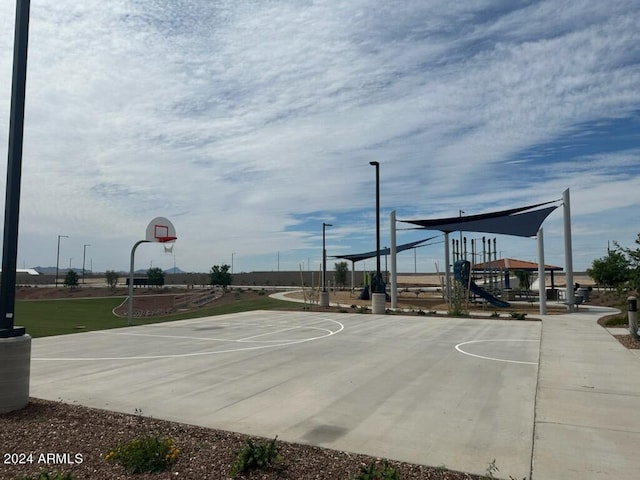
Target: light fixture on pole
(378, 283)
(84, 255)
(58, 256)
(378, 288)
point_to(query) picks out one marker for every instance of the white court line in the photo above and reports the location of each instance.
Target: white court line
(268, 333)
(209, 339)
(197, 354)
(153, 335)
(492, 358)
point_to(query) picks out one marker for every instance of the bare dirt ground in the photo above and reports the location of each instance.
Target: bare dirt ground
(425, 302)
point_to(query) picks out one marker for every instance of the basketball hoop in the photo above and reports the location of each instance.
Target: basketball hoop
(167, 243)
(166, 239)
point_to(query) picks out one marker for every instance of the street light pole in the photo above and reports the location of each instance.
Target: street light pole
(58, 257)
(232, 254)
(84, 255)
(378, 275)
(324, 295)
(324, 257)
(460, 247)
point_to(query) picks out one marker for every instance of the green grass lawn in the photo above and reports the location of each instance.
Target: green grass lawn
(44, 318)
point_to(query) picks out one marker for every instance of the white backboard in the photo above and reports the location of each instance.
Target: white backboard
(160, 230)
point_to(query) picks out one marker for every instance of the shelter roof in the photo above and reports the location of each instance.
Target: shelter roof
(513, 264)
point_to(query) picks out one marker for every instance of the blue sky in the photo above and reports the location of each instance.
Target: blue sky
(248, 124)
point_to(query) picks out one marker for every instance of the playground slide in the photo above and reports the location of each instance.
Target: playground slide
(487, 296)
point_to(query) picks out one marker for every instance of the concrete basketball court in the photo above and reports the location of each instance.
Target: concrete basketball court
(435, 391)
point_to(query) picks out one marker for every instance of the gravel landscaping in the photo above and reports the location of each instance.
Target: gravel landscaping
(82, 437)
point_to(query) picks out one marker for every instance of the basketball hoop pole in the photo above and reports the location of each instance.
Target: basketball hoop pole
(133, 254)
(159, 230)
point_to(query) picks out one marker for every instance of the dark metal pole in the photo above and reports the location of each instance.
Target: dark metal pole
(84, 254)
(324, 257)
(14, 173)
(378, 275)
(58, 257)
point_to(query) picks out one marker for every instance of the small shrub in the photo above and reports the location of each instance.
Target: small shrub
(256, 456)
(518, 315)
(619, 321)
(492, 469)
(145, 455)
(420, 312)
(50, 476)
(262, 292)
(495, 315)
(376, 472)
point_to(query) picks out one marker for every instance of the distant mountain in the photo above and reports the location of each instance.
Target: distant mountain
(174, 270)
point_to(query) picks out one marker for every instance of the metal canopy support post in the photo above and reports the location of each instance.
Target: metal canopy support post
(568, 254)
(542, 282)
(133, 254)
(394, 268)
(447, 272)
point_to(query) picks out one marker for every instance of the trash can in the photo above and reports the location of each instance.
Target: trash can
(584, 293)
(552, 294)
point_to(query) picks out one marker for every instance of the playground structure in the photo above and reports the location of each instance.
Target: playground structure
(462, 273)
(522, 222)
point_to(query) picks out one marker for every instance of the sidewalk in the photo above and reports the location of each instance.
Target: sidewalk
(587, 411)
(587, 423)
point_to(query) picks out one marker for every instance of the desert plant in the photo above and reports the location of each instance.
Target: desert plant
(518, 315)
(256, 456)
(492, 469)
(456, 311)
(145, 455)
(377, 472)
(49, 476)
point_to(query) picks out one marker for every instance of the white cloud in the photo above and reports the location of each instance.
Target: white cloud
(241, 120)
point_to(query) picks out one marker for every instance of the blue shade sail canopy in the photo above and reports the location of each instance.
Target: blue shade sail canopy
(356, 257)
(518, 221)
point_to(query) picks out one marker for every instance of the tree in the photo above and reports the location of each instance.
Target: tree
(111, 278)
(633, 256)
(155, 276)
(219, 275)
(71, 280)
(341, 273)
(610, 271)
(524, 277)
